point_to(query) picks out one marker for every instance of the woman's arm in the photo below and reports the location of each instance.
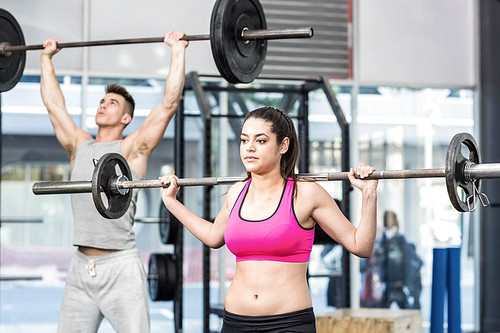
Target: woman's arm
(211, 234)
(326, 213)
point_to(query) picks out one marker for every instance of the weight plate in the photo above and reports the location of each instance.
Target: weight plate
(11, 66)
(162, 277)
(109, 204)
(237, 60)
(454, 170)
(168, 226)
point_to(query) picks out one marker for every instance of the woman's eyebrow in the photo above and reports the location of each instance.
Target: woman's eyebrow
(256, 135)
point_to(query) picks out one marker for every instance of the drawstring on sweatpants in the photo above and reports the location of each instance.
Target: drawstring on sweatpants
(90, 267)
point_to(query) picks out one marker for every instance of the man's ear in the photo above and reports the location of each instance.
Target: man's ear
(284, 145)
(126, 119)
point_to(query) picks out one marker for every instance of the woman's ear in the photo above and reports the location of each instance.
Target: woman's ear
(284, 145)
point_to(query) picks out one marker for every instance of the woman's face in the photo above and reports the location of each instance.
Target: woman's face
(258, 149)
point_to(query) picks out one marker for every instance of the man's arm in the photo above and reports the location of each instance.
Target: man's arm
(138, 146)
(67, 133)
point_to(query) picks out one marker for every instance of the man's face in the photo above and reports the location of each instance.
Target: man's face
(111, 111)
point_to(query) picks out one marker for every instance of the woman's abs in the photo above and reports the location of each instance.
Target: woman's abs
(262, 288)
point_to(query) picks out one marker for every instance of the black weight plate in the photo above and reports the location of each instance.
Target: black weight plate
(11, 66)
(168, 226)
(454, 170)
(109, 204)
(171, 283)
(238, 61)
(153, 277)
(162, 277)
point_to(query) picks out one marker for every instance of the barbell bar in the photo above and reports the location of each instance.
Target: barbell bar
(238, 38)
(475, 171)
(112, 177)
(246, 35)
(121, 183)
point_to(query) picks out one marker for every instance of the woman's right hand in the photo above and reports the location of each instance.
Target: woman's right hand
(169, 193)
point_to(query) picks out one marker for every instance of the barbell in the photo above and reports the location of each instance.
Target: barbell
(238, 38)
(111, 185)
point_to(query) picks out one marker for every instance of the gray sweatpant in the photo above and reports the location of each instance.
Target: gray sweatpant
(112, 286)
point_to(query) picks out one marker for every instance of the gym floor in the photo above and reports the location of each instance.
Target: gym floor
(33, 306)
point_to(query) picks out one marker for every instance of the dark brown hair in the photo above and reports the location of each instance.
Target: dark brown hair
(390, 216)
(281, 125)
(117, 89)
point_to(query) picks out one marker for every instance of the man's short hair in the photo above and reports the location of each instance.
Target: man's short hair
(117, 89)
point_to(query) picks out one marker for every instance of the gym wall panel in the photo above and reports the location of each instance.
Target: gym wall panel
(114, 19)
(417, 43)
(40, 20)
(149, 18)
(327, 53)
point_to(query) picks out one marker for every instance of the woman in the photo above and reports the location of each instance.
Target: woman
(268, 222)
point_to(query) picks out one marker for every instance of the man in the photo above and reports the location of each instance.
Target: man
(106, 277)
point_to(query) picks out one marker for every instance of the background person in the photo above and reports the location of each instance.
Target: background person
(400, 266)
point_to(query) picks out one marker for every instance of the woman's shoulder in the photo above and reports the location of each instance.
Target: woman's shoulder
(238, 186)
(308, 185)
(310, 190)
(235, 190)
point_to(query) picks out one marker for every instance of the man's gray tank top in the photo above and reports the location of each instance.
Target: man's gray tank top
(90, 228)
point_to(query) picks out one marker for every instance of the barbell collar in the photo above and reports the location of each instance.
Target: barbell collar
(6, 49)
(115, 185)
(3, 49)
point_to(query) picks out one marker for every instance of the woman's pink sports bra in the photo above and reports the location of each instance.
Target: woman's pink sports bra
(277, 238)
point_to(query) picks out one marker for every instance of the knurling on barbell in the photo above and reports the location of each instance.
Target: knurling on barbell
(111, 188)
(238, 38)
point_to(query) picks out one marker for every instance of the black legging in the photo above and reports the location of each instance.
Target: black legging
(302, 321)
